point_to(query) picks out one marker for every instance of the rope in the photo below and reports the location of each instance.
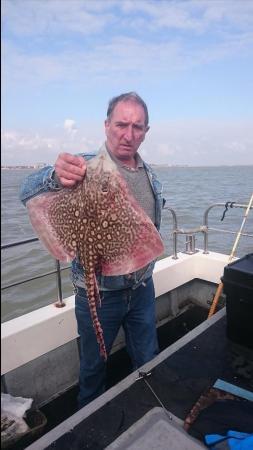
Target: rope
(227, 205)
(143, 376)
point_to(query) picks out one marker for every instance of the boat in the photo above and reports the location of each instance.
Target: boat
(147, 408)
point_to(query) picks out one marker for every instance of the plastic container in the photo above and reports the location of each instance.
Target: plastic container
(238, 287)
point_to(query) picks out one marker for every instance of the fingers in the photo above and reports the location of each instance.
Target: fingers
(67, 183)
(70, 169)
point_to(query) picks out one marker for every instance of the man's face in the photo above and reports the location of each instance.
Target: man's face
(125, 130)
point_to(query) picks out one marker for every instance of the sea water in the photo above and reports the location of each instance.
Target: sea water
(188, 190)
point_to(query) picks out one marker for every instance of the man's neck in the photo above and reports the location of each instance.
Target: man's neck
(131, 162)
(128, 162)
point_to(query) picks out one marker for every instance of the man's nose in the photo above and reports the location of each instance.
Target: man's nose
(129, 133)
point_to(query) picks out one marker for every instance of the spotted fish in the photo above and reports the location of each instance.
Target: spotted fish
(99, 221)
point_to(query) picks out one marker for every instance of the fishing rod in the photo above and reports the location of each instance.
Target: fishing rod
(220, 287)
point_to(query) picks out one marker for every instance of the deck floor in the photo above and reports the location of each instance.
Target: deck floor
(118, 367)
(178, 382)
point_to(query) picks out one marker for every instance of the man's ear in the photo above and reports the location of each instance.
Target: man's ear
(106, 123)
(146, 130)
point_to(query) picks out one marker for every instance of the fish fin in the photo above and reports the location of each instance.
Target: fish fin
(38, 210)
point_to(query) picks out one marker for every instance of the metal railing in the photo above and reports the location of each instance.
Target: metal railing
(190, 246)
(205, 222)
(204, 229)
(57, 271)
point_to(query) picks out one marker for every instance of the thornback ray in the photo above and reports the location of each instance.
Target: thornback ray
(100, 222)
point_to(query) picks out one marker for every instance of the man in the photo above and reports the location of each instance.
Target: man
(126, 300)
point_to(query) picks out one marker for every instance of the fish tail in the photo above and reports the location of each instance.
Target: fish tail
(94, 299)
(96, 292)
(100, 337)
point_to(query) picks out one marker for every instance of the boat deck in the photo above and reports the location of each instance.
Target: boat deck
(119, 364)
(179, 375)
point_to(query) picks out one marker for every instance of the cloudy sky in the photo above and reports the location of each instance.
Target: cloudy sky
(191, 61)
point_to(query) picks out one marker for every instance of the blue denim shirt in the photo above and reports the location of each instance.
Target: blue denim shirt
(43, 181)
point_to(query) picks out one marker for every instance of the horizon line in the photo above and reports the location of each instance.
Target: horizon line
(41, 165)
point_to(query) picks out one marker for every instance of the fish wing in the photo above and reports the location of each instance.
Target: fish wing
(99, 221)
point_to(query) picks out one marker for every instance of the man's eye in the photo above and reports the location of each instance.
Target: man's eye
(139, 127)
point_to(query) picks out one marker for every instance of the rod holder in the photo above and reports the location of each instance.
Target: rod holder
(190, 248)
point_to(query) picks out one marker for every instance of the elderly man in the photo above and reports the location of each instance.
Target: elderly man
(126, 300)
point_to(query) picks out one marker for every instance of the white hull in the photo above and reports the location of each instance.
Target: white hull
(45, 341)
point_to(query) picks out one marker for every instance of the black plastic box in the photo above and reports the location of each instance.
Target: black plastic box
(238, 287)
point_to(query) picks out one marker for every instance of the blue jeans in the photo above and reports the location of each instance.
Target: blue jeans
(134, 309)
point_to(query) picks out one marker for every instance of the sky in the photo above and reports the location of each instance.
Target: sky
(190, 60)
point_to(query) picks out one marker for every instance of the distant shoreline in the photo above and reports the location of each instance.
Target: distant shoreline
(156, 166)
(32, 166)
(173, 166)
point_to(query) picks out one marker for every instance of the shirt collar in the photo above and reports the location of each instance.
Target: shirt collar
(139, 160)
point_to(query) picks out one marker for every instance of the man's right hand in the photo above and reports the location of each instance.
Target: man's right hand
(69, 169)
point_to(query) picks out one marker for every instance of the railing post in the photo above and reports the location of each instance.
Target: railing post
(174, 245)
(174, 231)
(206, 243)
(59, 303)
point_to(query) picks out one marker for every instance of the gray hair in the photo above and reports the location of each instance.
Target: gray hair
(129, 96)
